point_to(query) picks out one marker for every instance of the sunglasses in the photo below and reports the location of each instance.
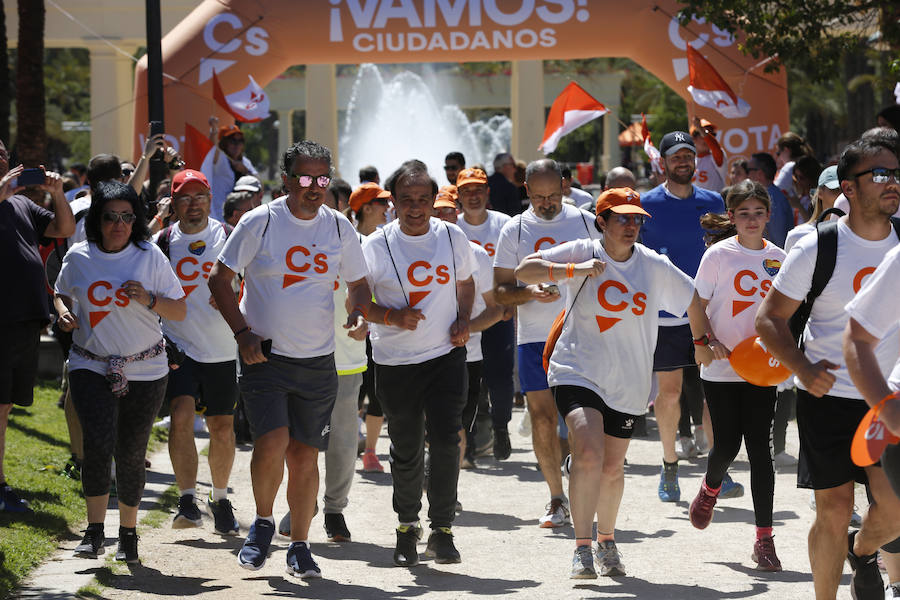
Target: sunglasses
(881, 175)
(628, 219)
(306, 181)
(127, 172)
(114, 217)
(235, 140)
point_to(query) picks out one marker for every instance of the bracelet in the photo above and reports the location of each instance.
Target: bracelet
(158, 219)
(361, 311)
(702, 341)
(240, 331)
(386, 316)
(152, 301)
(570, 270)
(550, 269)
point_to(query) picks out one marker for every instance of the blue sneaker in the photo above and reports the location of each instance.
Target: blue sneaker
(730, 489)
(669, 490)
(255, 550)
(300, 562)
(10, 501)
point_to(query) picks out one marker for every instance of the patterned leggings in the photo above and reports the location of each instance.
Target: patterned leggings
(115, 426)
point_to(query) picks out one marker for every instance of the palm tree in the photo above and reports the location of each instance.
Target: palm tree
(4, 79)
(31, 139)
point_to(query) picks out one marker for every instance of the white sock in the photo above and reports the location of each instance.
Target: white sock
(219, 494)
(190, 491)
(270, 519)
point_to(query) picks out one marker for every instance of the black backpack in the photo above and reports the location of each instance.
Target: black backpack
(826, 257)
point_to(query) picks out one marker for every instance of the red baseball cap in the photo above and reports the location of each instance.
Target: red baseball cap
(228, 131)
(186, 176)
(365, 194)
(621, 200)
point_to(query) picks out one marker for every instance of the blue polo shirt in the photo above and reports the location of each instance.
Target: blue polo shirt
(674, 228)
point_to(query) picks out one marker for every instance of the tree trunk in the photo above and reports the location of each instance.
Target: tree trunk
(31, 138)
(5, 97)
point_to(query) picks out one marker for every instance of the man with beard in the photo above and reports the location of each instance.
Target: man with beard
(676, 207)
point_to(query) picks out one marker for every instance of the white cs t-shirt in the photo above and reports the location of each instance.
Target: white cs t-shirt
(425, 278)
(487, 234)
(709, 175)
(349, 354)
(484, 283)
(289, 266)
(734, 279)
(203, 334)
(796, 234)
(875, 306)
(528, 233)
(823, 336)
(608, 340)
(110, 323)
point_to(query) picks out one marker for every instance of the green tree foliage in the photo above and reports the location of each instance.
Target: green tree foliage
(813, 35)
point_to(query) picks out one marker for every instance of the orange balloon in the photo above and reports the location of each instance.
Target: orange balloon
(754, 364)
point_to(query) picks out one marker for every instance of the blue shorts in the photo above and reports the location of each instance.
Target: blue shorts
(674, 348)
(532, 377)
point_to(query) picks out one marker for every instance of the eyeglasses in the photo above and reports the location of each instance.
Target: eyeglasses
(452, 168)
(187, 198)
(628, 219)
(114, 217)
(881, 175)
(306, 181)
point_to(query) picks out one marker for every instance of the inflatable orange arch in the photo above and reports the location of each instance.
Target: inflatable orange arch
(262, 38)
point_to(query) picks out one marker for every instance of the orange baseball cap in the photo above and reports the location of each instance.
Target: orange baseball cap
(450, 189)
(621, 200)
(228, 130)
(365, 194)
(473, 175)
(184, 177)
(444, 200)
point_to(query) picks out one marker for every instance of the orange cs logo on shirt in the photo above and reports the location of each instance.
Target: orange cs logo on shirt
(419, 275)
(98, 294)
(489, 248)
(187, 270)
(860, 275)
(298, 265)
(618, 301)
(544, 240)
(747, 289)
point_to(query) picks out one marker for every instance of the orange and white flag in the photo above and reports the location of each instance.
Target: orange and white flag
(709, 89)
(248, 105)
(650, 150)
(572, 108)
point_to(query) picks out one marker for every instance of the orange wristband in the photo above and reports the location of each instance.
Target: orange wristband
(570, 270)
(386, 316)
(550, 269)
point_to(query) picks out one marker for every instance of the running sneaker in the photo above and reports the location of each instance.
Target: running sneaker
(300, 562)
(892, 592)
(557, 514)
(764, 555)
(583, 564)
(255, 550)
(468, 460)
(440, 547)
(405, 554)
(72, 470)
(222, 513)
(524, 428)
(128, 542)
(700, 441)
(669, 490)
(610, 559)
(91, 545)
(730, 488)
(502, 445)
(701, 511)
(783, 460)
(284, 525)
(10, 501)
(371, 464)
(866, 580)
(336, 528)
(566, 467)
(188, 514)
(686, 448)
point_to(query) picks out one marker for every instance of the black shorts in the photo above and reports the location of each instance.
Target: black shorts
(674, 348)
(213, 386)
(827, 426)
(615, 423)
(890, 462)
(19, 362)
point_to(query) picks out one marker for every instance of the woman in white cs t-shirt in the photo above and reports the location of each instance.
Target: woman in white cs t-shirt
(112, 290)
(734, 275)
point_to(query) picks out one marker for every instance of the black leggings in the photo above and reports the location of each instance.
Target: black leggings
(743, 411)
(367, 389)
(691, 401)
(111, 425)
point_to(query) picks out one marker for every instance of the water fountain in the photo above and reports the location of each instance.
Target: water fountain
(392, 120)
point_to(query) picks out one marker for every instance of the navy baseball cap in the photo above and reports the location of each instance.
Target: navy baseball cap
(674, 141)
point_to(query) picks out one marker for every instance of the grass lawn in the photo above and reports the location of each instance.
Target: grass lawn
(37, 448)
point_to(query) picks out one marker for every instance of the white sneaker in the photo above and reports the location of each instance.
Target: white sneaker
(686, 448)
(610, 559)
(525, 425)
(700, 441)
(557, 514)
(783, 460)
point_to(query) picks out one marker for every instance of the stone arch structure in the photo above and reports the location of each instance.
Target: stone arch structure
(237, 38)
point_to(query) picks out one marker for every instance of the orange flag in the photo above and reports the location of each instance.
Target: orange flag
(572, 108)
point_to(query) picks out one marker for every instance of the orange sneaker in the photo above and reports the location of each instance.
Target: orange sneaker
(371, 464)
